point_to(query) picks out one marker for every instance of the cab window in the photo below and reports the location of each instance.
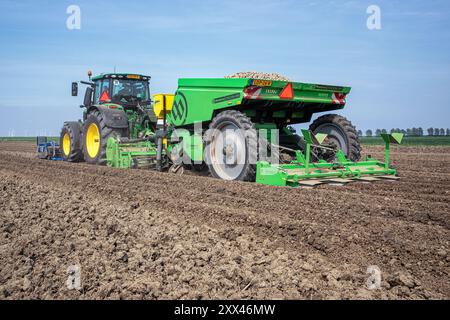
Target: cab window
(98, 89)
(129, 91)
(101, 87)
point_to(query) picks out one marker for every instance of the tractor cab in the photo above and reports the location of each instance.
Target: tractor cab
(127, 90)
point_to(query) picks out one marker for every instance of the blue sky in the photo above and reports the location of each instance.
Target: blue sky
(400, 74)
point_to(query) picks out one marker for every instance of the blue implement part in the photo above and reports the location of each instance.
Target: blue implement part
(48, 150)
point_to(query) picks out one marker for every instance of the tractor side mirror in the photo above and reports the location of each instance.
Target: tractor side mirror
(74, 89)
(88, 97)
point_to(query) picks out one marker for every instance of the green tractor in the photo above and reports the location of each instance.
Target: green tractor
(115, 106)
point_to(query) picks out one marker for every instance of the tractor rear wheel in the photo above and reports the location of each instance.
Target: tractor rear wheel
(70, 142)
(95, 138)
(341, 133)
(231, 147)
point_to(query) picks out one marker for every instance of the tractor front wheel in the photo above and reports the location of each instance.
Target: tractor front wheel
(340, 133)
(96, 135)
(70, 142)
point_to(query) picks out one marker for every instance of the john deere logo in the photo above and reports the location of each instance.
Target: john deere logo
(179, 109)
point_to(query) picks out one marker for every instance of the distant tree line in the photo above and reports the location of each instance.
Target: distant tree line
(411, 132)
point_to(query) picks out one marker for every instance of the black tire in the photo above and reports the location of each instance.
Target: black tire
(105, 133)
(341, 133)
(73, 130)
(244, 170)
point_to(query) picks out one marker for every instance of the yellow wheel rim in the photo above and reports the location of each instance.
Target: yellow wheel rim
(92, 140)
(66, 144)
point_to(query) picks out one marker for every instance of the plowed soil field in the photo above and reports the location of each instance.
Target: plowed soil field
(137, 234)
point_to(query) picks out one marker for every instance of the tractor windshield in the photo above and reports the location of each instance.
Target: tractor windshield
(130, 91)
